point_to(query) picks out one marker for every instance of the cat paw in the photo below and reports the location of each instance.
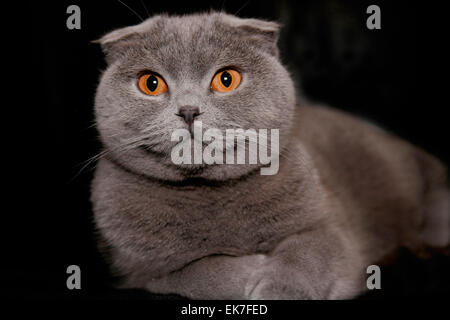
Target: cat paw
(273, 286)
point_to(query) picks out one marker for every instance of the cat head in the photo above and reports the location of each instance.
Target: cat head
(167, 65)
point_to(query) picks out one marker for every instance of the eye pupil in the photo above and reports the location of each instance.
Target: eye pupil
(226, 79)
(152, 83)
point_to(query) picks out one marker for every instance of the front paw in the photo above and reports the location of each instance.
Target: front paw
(277, 286)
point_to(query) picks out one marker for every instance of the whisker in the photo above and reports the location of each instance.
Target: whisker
(131, 10)
(245, 4)
(126, 146)
(89, 162)
(145, 7)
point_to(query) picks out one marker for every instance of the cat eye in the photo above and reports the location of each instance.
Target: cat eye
(152, 84)
(226, 80)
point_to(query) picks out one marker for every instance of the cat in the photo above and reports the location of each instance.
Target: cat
(347, 193)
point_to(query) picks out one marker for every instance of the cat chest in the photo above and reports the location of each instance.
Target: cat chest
(205, 226)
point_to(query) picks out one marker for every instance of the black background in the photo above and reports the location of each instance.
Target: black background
(372, 73)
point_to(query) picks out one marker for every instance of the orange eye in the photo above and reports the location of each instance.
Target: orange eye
(152, 84)
(226, 80)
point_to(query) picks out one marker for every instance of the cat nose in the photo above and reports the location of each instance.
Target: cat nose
(188, 113)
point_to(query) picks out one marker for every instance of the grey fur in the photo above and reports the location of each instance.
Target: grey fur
(347, 194)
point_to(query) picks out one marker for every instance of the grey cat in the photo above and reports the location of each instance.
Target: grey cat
(347, 194)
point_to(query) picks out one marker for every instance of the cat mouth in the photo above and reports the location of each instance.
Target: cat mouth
(162, 156)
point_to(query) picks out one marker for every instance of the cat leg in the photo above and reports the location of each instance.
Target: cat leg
(211, 277)
(313, 265)
(436, 226)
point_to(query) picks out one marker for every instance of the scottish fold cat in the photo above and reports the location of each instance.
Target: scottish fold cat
(346, 195)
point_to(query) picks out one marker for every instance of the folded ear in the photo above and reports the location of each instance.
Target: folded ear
(115, 43)
(263, 33)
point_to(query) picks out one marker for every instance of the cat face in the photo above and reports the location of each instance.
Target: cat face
(167, 64)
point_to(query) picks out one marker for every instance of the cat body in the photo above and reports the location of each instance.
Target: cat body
(347, 194)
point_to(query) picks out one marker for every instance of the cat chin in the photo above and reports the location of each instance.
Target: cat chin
(166, 172)
(223, 172)
(203, 173)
